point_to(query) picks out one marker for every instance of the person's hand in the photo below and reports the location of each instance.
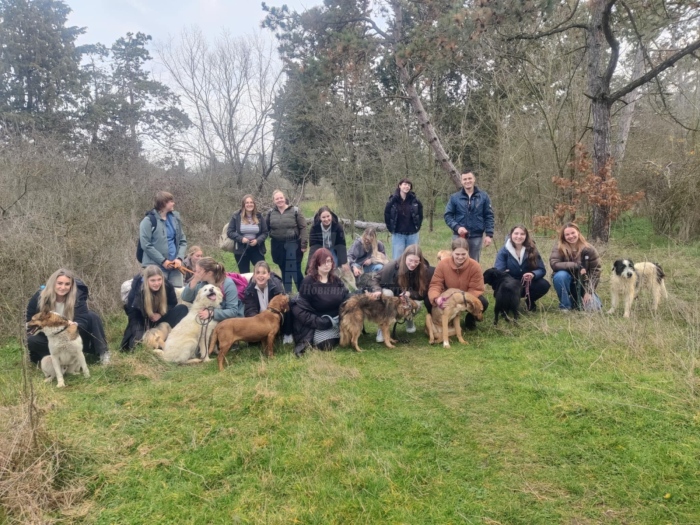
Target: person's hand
(440, 302)
(72, 323)
(204, 314)
(245, 240)
(587, 298)
(527, 277)
(168, 265)
(154, 317)
(583, 271)
(462, 231)
(367, 262)
(356, 271)
(374, 295)
(345, 267)
(303, 250)
(177, 263)
(487, 241)
(254, 242)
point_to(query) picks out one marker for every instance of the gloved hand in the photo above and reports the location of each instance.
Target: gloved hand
(326, 322)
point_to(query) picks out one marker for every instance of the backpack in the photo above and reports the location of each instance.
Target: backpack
(154, 223)
(240, 282)
(226, 244)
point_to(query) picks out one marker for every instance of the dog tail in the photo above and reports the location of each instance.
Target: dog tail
(659, 273)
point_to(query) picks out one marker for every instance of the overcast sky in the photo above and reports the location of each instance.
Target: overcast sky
(107, 20)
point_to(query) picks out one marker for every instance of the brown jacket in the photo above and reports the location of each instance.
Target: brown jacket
(469, 278)
(588, 259)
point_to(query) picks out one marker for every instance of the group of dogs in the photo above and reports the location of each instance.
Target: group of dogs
(194, 340)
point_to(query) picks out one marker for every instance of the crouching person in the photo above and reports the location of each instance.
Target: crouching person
(208, 271)
(316, 309)
(151, 301)
(263, 287)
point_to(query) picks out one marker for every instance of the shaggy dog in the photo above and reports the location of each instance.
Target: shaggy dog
(188, 339)
(628, 278)
(261, 327)
(445, 320)
(65, 346)
(383, 311)
(156, 336)
(506, 290)
(345, 274)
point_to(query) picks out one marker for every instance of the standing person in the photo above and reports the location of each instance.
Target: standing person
(521, 259)
(194, 254)
(208, 271)
(403, 216)
(248, 231)
(162, 240)
(287, 228)
(263, 287)
(459, 271)
(67, 295)
(410, 274)
(316, 309)
(576, 267)
(365, 253)
(151, 301)
(328, 233)
(469, 214)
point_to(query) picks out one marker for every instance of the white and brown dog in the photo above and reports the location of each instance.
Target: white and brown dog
(628, 278)
(65, 346)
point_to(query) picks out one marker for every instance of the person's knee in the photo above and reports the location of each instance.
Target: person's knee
(561, 277)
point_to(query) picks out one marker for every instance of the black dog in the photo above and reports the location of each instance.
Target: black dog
(506, 290)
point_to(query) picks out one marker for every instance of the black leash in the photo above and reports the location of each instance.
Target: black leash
(204, 323)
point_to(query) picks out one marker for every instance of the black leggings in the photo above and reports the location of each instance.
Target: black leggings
(469, 319)
(250, 255)
(288, 255)
(93, 336)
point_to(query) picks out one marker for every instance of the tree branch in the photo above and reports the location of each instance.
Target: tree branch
(535, 36)
(612, 42)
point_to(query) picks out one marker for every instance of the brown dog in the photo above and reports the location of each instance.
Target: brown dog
(383, 311)
(444, 254)
(262, 327)
(446, 320)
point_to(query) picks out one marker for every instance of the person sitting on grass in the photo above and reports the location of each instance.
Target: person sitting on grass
(263, 287)
(367, 254)
(194, 254)
(208, 271)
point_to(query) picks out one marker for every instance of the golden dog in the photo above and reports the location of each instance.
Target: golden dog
(446, 320)
(384, 311)
(156, 336)
(262, 327)
(443, 254)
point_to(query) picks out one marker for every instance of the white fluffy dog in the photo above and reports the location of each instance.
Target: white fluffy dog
(628, 278)
(187, 341)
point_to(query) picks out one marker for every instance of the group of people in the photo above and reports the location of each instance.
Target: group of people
(314, 316)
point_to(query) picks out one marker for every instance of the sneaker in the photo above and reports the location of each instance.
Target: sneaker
(105, 358)
(380, 336)
(288, 340)
(565, 311)
(410, 326)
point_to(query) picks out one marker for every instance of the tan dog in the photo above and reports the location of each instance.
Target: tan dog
(444, 254)
(156, 336)
(445, 321)
(384, 311)
(65, 346)
(262, 327)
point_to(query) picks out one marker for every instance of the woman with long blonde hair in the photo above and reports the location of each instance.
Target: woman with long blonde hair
(248, 231)
(67, 295)
(367, 254)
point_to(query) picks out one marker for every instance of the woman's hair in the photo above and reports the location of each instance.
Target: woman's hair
(528, 244)
(262, 264)
(194, 249)
(402, 181)
(255, 208)
(47, 298)
(565, 249)
(162, 198)
(369, 240)
(208, 264)
(317, 259)
(321, 210)
(460, 242)
(154, 302)
(417, 279)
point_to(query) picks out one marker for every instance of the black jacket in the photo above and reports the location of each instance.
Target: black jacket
(137, 318)
(337, 239)
(391, 211)
(388, 278)
(251, 304)
(234, 233)
(80, 312)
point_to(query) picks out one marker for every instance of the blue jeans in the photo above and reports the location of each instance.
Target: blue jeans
(399, 242)
(570, 292)
(370, 268)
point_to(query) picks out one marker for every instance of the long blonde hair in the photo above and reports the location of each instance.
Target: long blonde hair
(369, 240)
(47, 298)
(254, 216)
(565, 250)
(153, 302)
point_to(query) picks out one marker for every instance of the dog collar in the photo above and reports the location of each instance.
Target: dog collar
(276, 311)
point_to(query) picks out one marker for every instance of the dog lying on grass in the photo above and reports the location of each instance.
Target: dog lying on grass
(627, 279)
(156, 336)
(263, 327)
(445, 319)
(65, 346)
(506, 291)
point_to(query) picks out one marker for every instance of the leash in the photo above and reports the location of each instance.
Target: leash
(204, 323)
(528, 299)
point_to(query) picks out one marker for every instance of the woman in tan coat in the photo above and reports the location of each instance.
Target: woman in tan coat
(458, 271)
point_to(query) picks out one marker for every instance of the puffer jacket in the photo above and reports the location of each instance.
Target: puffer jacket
(468, 278)
(506, 261)
(251, 304)
(588, 259)
(391, 211)
(287, 226)
(388, 279)
(474, 213)
(338, 242)
(155, 244)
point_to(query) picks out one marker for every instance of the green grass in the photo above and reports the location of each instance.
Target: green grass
(576, 419)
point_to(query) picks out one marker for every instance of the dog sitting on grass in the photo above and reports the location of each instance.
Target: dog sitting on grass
(506, 291)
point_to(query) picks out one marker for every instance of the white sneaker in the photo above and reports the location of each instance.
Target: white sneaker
(410, 326)
(288, 340)
(105, 358)
(380, 336)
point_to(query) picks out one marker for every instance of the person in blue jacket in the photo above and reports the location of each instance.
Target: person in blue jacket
(520, 258)
(469, 214)
(208, 271)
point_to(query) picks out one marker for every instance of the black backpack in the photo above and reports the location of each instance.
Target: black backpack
(154, 222)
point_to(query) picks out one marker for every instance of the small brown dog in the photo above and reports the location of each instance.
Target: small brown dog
(262, 327)
(444, 254)
(156, 336)
(384, 311)
(445, 321)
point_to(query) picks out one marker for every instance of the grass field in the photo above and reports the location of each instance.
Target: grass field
(577, 419)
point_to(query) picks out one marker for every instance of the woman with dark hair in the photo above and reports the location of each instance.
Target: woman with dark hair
(67, 295)
(327, 232)
(287, 228)
(316, 309)
(248, 231)
(576, 267)
(403, 216)
(151, 301)
(411, 275)
(521, 259)
(263, 287)
(208, 271)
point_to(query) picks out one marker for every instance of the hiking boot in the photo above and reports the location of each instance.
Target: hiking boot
(410, 326)
(105, 358)
(380, 336)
